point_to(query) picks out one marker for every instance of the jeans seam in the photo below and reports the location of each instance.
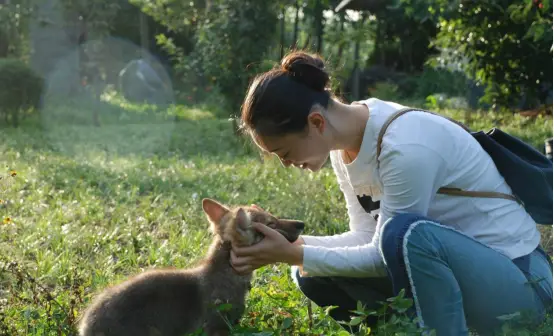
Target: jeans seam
(406, 261)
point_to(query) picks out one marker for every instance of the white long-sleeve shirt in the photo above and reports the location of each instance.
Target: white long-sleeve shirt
(420, 153)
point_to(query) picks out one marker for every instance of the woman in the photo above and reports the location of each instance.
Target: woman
(465, 261)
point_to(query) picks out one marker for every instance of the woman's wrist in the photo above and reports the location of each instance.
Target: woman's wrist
(296, 255)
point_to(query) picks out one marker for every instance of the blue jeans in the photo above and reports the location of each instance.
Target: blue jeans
(456, 282)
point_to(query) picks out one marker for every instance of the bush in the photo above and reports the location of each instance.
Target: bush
(504, 45)
(20, 89)
(435, 80)
(231, 43)
(385, 91)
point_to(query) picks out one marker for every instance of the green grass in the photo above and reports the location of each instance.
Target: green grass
(90, 206)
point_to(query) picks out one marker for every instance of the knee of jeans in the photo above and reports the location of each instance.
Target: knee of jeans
(307, 285)
(295, 275)
(392, 236)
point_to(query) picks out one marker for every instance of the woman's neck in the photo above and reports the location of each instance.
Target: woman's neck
(348, 123)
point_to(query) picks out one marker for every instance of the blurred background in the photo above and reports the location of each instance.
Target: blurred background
(464, 54)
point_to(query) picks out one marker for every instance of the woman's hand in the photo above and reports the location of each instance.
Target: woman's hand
(272, 249)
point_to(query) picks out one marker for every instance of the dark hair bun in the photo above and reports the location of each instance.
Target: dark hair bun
(307, 69)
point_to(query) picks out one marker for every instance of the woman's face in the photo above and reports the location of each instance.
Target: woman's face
(306, 150)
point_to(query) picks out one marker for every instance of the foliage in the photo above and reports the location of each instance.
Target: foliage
(402, 40)
(431, 83)
(385, 91)
(440, 80)
(14, 27)
(230, 41)
(180, 20)
(20, 89)
(97, 15)
(505, 45)
(176, 15)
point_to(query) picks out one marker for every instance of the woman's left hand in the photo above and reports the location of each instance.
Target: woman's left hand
(272, 249)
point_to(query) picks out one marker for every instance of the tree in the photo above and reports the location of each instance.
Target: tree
(504, 45)
(231, 41)
(14, 28)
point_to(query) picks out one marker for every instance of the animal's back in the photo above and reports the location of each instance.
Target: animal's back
(152, 304)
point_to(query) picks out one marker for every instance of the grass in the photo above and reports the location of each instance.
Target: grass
(90, 206)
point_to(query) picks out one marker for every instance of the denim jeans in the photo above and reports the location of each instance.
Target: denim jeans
(456, 282)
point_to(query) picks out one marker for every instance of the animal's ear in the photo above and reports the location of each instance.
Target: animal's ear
(242, 218)
(214, 210)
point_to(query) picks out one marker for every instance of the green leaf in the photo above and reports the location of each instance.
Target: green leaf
(356, 320)
(224, 307)
(359, 306)
(287, 323)
(329, 308)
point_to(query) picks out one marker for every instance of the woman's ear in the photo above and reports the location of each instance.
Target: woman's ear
(317, 121)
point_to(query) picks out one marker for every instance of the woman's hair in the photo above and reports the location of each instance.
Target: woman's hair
(279, 101)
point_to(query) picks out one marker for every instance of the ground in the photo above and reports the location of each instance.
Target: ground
(89, 206)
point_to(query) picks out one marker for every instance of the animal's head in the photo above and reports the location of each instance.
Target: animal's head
(235, 225)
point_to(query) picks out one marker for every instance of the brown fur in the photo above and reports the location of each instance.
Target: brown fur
(172, 302)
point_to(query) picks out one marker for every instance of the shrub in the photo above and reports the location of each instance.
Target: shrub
(384, 91)
(231, 43)
(504, 45)
(435, 80)
(20, 89)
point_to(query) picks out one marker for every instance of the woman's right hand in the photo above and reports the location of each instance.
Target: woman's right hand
(299, 241)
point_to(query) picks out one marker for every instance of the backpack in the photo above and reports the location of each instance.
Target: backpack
(527, 171)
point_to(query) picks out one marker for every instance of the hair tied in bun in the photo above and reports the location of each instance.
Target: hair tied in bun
(307, 70)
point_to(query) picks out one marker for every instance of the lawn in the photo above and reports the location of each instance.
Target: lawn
(90, 206)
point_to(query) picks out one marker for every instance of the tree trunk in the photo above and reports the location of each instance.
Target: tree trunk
(145, 46)
(342, 43)
(295, 32)
(319, 26)
(356, 76)
(15, 118)
(282, 43)
(378, 41)
(307, 42)
(4, 44)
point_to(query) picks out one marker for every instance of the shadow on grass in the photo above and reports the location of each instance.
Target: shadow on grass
(128, 130)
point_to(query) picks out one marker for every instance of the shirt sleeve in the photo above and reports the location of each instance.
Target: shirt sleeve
(349, 254)
(362, 224)
(411, 175)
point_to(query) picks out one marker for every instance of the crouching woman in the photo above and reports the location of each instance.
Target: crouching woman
(464, 261)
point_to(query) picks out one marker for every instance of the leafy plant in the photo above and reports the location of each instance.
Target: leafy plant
(384, 91)
(14, 27)
(505, 45)
(20, 89)
(231, 41)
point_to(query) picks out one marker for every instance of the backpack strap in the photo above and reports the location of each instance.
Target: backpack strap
(443, 190)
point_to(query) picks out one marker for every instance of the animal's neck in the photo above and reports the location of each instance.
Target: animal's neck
(219, 256)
